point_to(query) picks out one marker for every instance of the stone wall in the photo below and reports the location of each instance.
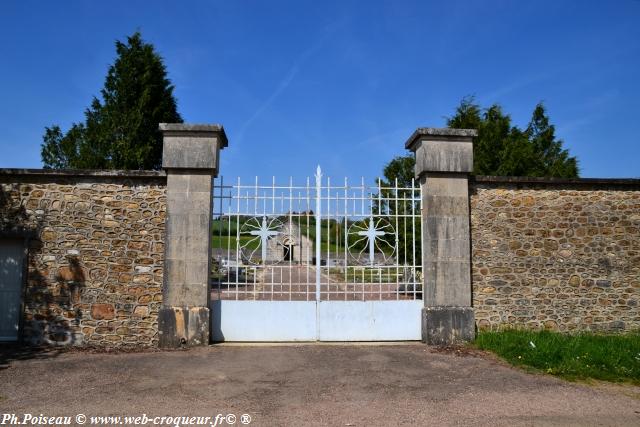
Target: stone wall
(549, 254)
(95, 253)
(556, 254)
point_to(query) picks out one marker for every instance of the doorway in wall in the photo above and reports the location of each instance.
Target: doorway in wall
(11, 272)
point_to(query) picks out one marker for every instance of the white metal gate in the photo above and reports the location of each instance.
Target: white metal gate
(316, 262)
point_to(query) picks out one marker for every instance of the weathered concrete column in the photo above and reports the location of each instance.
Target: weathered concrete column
(191, 157)
(444, 159)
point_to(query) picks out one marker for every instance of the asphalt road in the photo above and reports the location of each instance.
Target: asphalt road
(337, 385)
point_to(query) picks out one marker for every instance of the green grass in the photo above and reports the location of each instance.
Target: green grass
(225, 242)
(310, 232)
(585, 356)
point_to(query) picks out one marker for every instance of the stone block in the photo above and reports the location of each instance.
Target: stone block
(447, 325)
(192, 146)
(442, 153)
(445, 205)
(187, 294)
(447, 283)
(189, 180)
(102, 311)
(445, 184)
(177, 201)
(176, 247)
(178, 181)
(445, 228)
(176, 226)
(447, 250)
(444, 156)
(183, 326)
(197, 271)
(200, 182)
(174, 272)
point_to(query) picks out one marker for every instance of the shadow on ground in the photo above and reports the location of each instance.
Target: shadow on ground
(13, 352)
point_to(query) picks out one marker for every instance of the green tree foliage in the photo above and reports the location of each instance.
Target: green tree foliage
(503, 149)
(500, 149)
(401, 168)
(121, 130)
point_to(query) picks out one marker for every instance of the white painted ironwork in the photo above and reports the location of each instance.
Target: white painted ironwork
(318, 238)
(322, 244)
(372, 233)
(265, 230)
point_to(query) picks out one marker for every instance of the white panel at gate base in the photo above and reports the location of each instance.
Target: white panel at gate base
(370, 320)
(263, 320)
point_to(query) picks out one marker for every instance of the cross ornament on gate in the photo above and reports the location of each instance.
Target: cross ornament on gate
(371, 234)
(264, 233)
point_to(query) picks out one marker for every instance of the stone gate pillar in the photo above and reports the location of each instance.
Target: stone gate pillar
(190, 157)
(444, 160)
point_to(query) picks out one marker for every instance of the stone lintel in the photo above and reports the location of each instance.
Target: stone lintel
(447, 325)
(192, 146)
(442, 150)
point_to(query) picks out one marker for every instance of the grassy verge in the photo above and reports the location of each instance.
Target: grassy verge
(614, 358)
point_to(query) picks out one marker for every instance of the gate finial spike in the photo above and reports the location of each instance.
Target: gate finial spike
(318, 171)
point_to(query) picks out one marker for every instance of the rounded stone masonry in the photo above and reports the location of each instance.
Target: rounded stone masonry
(94, 245)
(557, 254)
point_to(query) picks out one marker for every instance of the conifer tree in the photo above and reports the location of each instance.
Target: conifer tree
(120, 130)
(501, 148)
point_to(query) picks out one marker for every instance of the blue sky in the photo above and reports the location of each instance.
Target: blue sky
(341, 84)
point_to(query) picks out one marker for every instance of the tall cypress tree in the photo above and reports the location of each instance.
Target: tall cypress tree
(120, 130)
(550, 159)
(503, 149)
(500, 149)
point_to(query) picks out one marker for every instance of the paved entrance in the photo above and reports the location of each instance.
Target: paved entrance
(310, 385)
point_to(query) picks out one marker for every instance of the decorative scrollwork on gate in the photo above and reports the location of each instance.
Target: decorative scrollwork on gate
(265, 235)
(372, 241)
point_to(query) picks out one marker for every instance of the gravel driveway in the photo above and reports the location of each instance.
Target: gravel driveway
(338, 385)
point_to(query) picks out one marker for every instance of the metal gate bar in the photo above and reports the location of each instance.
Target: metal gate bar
(401, 262)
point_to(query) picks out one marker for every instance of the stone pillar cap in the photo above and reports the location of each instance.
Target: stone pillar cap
(180, 129)
(440, 134)
(192, 146)
(442, 150)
